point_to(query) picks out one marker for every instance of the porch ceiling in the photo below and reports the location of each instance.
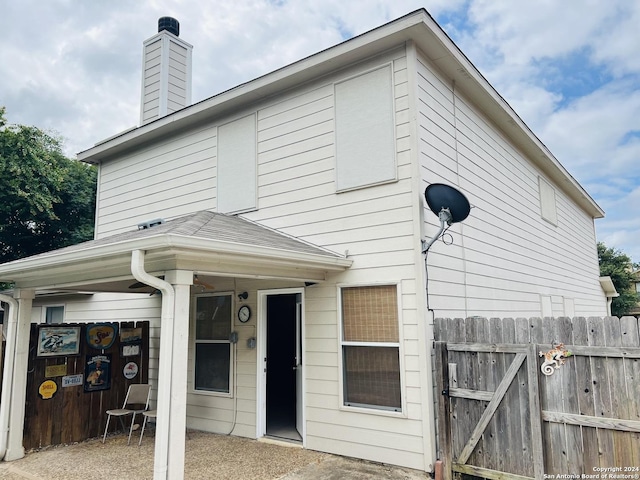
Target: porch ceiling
(209, 244)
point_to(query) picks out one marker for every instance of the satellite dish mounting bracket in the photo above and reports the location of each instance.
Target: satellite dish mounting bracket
(445, 220)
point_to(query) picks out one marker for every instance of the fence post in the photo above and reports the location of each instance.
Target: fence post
(444, 420)
(534, 411)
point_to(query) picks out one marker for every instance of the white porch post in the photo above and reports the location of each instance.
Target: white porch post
(15, 449)
(181, 281)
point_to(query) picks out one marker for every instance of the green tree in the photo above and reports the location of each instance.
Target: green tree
(47, 200)
(619, 267)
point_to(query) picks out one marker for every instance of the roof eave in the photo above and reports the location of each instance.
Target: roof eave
(608, 287)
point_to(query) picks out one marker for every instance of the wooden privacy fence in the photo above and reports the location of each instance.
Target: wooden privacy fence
(499, 416)
(76, 411)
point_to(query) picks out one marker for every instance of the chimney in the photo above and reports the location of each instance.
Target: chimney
(166, 72)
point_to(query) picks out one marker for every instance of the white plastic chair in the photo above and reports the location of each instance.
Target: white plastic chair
(138, 394)
(148, 414)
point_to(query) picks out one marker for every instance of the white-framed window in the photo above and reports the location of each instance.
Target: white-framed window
(54, 314)
(212, 347)
(370, 346)
(548, 208)
(365, 130)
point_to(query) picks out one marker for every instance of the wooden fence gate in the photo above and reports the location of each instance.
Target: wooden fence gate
(500, 417)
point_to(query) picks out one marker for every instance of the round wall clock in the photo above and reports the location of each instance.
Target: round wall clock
(244, 314)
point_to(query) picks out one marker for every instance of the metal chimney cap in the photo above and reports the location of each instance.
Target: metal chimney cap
(169, 24)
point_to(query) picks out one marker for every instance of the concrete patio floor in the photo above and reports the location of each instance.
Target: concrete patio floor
(208, 456)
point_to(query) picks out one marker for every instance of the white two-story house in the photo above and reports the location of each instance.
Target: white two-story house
(273, 235)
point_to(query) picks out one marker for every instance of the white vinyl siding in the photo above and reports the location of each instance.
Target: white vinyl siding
(504, 256)
(365, 144)
(237, 170)
(171, 178)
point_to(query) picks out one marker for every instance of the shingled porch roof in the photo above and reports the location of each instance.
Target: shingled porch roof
(205, 242)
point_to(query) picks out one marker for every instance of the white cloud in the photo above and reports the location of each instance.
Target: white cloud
(588, 134)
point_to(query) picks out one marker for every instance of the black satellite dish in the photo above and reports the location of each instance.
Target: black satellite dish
(449, 204)
(441, 197)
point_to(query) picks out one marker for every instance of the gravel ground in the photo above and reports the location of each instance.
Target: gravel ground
(208, 456)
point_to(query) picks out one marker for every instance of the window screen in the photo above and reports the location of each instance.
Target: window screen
(212, 346)
(237, 170)
(370, 347)
(365, 133)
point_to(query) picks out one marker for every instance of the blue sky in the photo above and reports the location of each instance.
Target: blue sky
(570, 69)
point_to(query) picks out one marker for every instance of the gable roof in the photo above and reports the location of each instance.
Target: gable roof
(208, 242)
(418, 28)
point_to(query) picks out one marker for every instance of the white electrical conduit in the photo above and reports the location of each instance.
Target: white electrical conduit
(7, 379)
(164, 363)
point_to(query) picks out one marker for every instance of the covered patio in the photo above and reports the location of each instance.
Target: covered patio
(169, 258)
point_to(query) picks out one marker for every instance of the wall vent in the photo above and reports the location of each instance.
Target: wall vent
(150, 223)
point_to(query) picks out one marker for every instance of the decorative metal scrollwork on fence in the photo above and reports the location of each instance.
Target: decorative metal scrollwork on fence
(554, 358)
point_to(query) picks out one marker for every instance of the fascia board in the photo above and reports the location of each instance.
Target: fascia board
(334, 263)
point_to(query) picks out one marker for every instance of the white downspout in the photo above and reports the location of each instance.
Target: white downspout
(7, 378)
(160, 464)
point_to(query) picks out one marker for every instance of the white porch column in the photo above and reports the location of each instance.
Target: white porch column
(181, 281)
(15, 449)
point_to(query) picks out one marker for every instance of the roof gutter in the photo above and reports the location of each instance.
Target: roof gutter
(160, 463)
(7, 379)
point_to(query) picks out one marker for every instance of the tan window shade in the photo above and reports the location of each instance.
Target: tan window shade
(370, 349)
(370, 314)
